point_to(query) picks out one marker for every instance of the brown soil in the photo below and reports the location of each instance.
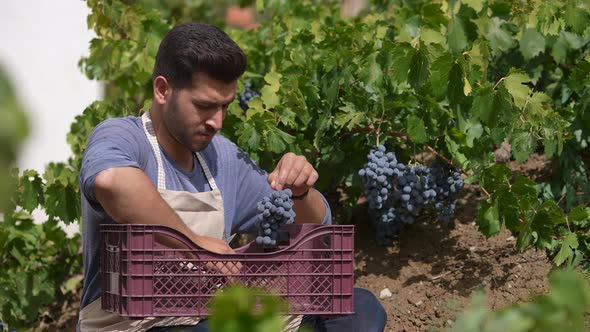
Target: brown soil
(431, 269)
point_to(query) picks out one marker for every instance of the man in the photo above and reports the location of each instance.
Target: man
(169, 167)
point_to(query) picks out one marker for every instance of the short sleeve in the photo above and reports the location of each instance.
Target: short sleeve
(113, 143)
(253, 187)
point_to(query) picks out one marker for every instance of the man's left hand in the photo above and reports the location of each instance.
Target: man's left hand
(293, 172)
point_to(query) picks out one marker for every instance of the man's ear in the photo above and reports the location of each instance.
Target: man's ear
(162, 90)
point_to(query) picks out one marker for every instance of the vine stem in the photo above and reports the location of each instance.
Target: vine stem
(380, 120)
(497, 83)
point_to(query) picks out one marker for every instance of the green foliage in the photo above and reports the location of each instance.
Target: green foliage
(238, 309)
(38, 260)
(14, 128)
(457, 77)
(561, 310)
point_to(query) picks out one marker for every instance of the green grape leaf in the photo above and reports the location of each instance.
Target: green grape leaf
(509, 208)
(269, 97)
(488, 219)
(532, 43)
(32, 190)
(480, 55)
(249, 137)
(401, 57)
(439, 77)
(416, 129)
(495, 177)
(515, 84)
(580, 216)
(456, 85)
(483, 104)
(418, 73)
(277, 140)
(560, 49)
(526, 237)
(524, 190)
(62, 202)
(547, 16)
(350, 117)
(523, 145)
(477, 5)
(429, 36)
(434, 15)
(550, 211)
(473, 131)
(489, 104)
(500, 40)
(569, 244)
(457, 38)
(575, 17)
(274, 80)
(454, 149)
(275, 143)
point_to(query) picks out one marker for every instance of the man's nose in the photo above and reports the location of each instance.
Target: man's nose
(216, 120)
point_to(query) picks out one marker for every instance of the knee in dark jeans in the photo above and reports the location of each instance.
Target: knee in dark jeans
(369, 309)
(203, 326)
(369, 316)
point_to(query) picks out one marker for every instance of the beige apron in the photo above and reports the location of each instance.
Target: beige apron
(202, 213)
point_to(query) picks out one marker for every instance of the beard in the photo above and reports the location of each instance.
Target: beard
(183, 132)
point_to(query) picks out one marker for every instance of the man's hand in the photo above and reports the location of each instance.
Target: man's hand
(212, 244)
(220, 247)
(293, 172)
(296, 173)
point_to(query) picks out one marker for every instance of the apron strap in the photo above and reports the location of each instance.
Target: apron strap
(151, 136)
(208, 174)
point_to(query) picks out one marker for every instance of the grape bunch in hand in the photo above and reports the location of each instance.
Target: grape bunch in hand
(274, 210)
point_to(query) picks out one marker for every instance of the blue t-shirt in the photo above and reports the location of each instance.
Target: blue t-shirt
(122, 142)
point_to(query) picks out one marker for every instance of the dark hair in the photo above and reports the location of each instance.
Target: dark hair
(198, 47)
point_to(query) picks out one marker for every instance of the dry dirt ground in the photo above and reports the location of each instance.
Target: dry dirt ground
(431, 269)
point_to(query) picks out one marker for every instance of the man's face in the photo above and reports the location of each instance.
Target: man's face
(195, 114)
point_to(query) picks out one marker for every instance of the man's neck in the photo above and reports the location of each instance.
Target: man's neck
(180, 154)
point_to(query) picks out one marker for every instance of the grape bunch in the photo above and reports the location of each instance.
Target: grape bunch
(398, 193)
(448, 183)
(245, 97)
(274, 211)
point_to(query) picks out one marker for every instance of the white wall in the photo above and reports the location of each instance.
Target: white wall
(41, 42)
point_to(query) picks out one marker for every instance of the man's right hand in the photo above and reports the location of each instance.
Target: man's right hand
(220, 247)
(212, 244)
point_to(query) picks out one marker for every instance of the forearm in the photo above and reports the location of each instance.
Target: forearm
(310, 209)
(129, 197)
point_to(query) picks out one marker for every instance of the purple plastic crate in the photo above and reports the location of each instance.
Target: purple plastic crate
(143, 277)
